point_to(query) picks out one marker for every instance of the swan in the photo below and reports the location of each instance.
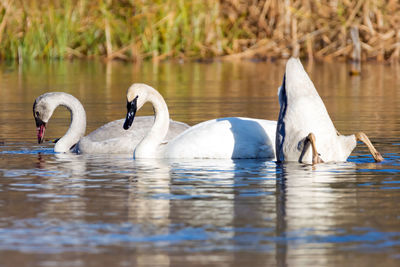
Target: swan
(305, 132)
(109, 138)
(222, 138)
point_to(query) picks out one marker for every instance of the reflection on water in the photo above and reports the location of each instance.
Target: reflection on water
(77, 210)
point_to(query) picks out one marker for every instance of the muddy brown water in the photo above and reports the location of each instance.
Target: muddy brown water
(91, 210)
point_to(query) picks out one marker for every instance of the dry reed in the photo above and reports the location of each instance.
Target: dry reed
(160, 29)
(314, 28)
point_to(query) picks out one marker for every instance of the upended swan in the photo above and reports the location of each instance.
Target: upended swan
(305, 132)
(219, 138)
(109, 138)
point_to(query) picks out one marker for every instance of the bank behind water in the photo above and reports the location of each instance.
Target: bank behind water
(160, 29)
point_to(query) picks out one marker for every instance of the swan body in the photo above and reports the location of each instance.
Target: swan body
(109, 138)
(225, 138)
(219, 138)
(304, 121)
(112, 138)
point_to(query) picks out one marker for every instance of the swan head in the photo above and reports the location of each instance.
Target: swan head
(136, 96)
(42, 111)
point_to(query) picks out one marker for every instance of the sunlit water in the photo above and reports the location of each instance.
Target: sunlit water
(89, 210)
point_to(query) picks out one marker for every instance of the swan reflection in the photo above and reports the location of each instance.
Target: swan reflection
(232, 204)
(307, 205)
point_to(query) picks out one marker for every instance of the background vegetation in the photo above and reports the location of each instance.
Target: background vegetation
(159, 29)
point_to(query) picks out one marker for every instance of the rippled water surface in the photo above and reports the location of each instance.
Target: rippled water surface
(91, 210)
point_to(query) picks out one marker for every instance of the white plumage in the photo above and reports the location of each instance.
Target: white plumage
(222, 138)
(304, 124)
(109, 138)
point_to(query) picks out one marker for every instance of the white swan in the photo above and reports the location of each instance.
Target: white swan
(220, 138)
(304, 123)
(109, 138)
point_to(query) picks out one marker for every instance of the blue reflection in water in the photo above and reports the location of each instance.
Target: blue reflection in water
(198, 205)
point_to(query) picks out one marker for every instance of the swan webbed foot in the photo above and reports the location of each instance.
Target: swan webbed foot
(378, 157)
(317, 159)
(364, 138)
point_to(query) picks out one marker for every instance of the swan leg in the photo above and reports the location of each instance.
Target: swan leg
(315, 155)
(310, 140)
(364, 138)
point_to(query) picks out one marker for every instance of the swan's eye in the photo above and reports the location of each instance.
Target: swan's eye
(37, 113)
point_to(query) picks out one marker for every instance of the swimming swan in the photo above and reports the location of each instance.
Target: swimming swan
(219, 138)
(109, 138)
(304, 123)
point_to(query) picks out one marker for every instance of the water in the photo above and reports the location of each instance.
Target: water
(88, 210)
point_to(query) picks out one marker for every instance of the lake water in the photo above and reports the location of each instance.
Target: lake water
(88, 210)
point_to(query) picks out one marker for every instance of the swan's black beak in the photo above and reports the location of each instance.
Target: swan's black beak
(40, 129)
(131, 108)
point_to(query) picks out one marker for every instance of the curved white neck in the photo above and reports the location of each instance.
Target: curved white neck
(77, 127)
(149, 146)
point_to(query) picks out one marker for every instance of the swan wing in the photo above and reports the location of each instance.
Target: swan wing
(175, 128)
(112, 138)
(225, 138)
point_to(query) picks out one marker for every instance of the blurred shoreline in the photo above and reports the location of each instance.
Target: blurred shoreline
(130, 30)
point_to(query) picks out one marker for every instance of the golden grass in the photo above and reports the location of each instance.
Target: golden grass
(313, 28)
(160, 29)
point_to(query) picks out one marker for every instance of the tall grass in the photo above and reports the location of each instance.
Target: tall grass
(159, 29)
(314, 28)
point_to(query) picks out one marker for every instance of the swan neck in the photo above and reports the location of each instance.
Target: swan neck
(77, 127)
(149, 146)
